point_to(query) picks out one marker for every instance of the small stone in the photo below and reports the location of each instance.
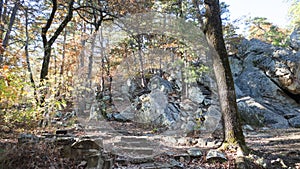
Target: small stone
(248, 128)
(214, 155)
(176, 163)
(82, 164)
(181, 159)
(195, 152)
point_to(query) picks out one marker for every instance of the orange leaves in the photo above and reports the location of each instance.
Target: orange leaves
(5, 68)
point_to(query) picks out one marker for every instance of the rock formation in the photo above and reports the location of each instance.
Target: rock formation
(267, 82)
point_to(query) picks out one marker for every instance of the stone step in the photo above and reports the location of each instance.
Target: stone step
(134, 139)
(106, 129)
(133, 152)
(135, 144)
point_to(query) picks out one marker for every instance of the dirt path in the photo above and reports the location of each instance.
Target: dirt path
(281, 147)
(271, 148)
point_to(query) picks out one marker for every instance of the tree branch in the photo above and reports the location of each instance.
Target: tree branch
(63, 24)
(49, 22)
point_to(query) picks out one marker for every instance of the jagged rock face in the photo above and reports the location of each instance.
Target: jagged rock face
(295, 39)
(267, 82)
(165, 102)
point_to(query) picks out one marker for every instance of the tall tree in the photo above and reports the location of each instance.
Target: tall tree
(232, 123)
(48, 43)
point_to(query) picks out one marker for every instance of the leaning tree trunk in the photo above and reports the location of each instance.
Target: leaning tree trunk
(48, 43)
(232, 123)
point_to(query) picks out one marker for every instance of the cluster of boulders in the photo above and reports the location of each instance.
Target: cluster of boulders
(168, 101)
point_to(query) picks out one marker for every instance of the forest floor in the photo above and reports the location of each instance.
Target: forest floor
(281, 147)
(271, 148)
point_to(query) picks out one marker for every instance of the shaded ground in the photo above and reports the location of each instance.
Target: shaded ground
(280, 147)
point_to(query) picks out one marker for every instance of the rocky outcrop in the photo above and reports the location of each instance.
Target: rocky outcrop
(181, 105)
(267, 82)
(295, 39)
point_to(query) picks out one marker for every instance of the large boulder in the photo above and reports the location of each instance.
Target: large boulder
(267, 84)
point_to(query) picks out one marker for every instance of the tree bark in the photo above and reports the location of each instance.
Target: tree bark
(27, 56)
(232, 123)
(10, 25)
(63, 56)
(1, 20)
(48, 43)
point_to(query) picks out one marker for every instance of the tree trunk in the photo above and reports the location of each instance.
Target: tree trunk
(139, 42)
(1, 20)
(91, 59)
(10, 25)
(232, 123)
(63, 56)
(48, 43)
(27, 56)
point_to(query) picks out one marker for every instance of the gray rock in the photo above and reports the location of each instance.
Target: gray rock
(128, 115)
(188, 127)
(295, 39)
(196, 95)
(195, 152)
(266, 83)
(212, 119)
(158, 83)
(153, 106)
(248, 128)
(176, 164)
(256, 114)
(82, 164)
(120, 117)
(157, 110)
(214, 155)
(295, 122)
